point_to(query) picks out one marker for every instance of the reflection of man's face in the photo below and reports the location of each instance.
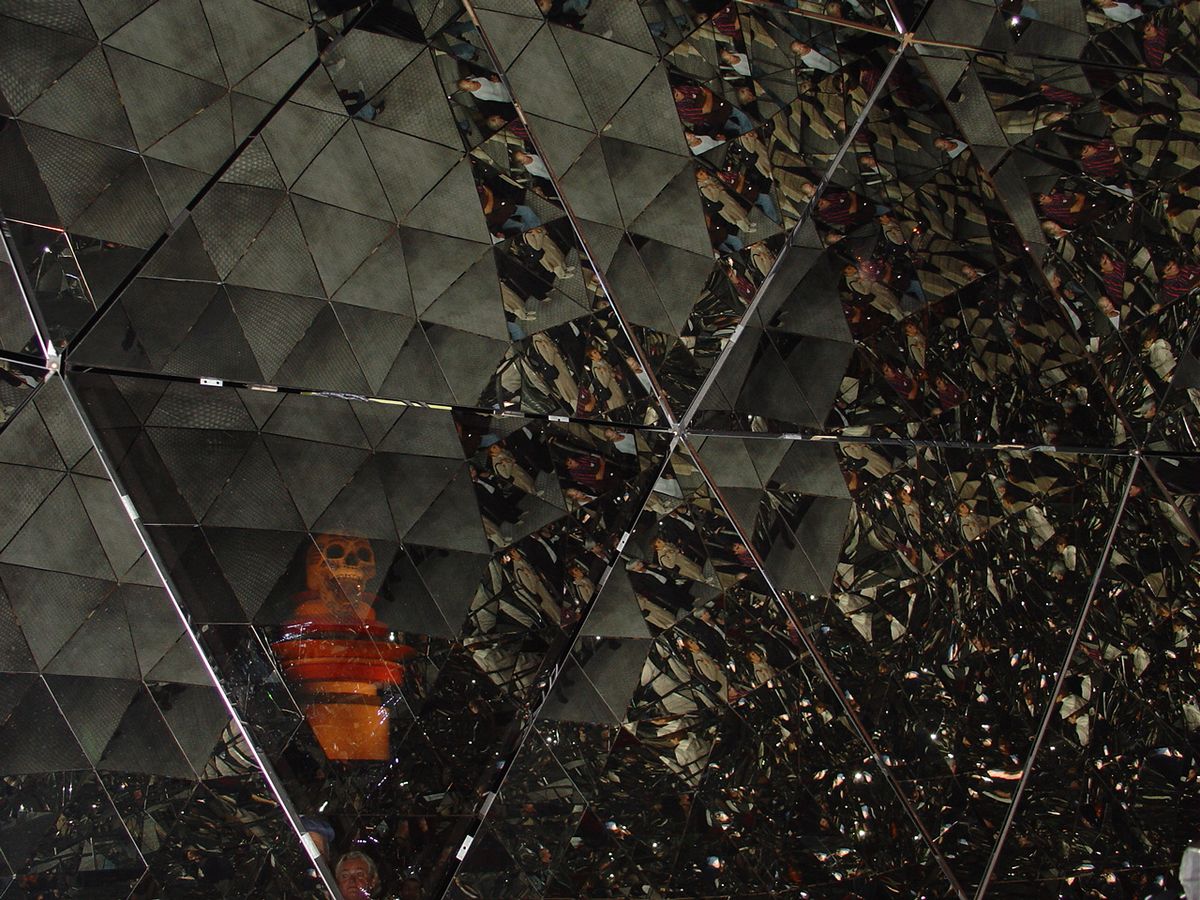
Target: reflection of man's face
(354, 880)
(410, 890)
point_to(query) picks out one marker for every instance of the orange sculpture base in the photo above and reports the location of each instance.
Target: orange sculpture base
(338, 669)
(349, 730)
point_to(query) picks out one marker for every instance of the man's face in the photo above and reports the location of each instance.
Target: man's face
(354, 880)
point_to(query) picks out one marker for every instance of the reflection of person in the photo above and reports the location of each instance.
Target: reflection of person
(702, 143)
(410, 889)
(738, 62)
(813, 58)
(670, 557)
(320, 833)
(489, 88)
(727, 207)
(1118, 11)
(953, 147)
(357, 876)
(706, 113)
(551, 258)
(506, 467)
(532, 164)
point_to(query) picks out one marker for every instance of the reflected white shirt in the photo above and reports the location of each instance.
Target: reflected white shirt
(537, 168)
(815, 60)
(1121, 12)
(707, 142)
(739, 63)
(955, 151)
(490, 90)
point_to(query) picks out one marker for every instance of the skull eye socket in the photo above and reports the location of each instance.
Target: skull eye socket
(335, 551)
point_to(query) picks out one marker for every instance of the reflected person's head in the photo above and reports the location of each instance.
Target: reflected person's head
(319, 832)
(357, 876)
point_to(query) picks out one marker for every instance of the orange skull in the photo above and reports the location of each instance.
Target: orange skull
(340, 564)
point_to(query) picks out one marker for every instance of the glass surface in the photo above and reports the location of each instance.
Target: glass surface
(564, 448)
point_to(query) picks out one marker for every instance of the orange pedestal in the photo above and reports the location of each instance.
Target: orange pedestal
(338, 669)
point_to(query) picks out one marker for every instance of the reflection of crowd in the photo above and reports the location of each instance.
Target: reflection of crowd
(720, 742)
(1158, 34)
(543, 575)
(566, 351)
(917, 221)
(931, 292)
(965, 559)
(1120, 223)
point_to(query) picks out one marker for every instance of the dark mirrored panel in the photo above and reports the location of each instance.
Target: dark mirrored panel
(1108, 804)
(18, 382)
(595, 448)
(59, 291)
(949, 328)
(123, 773)
(383, 589)
(690, 740)
(387, 230)
(957, 578)
(18, 333)
(117, 117)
